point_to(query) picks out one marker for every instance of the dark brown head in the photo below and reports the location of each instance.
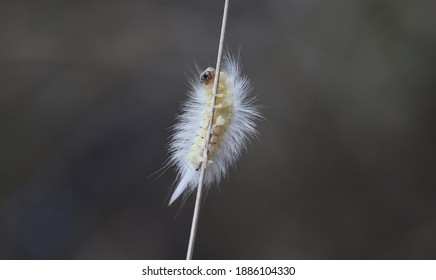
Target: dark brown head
(207, 75)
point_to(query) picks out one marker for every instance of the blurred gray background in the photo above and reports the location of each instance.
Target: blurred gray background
(345, 167)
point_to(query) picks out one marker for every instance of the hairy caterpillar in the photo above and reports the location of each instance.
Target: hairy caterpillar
(232, 125)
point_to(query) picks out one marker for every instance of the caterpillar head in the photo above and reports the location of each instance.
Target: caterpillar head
(207, 75)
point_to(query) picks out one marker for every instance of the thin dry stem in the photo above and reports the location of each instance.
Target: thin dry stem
(209, 129)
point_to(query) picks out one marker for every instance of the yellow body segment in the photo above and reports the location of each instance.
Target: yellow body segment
(221, 119)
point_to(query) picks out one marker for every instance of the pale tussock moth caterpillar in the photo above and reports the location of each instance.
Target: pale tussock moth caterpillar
(233, 125)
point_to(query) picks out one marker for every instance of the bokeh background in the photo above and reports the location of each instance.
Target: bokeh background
(345, 167)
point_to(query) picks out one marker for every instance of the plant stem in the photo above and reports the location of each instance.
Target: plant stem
(209, 128)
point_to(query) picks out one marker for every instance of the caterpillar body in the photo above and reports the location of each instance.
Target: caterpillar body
(233, 124)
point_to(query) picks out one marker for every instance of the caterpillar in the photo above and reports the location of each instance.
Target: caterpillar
(233, 124)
